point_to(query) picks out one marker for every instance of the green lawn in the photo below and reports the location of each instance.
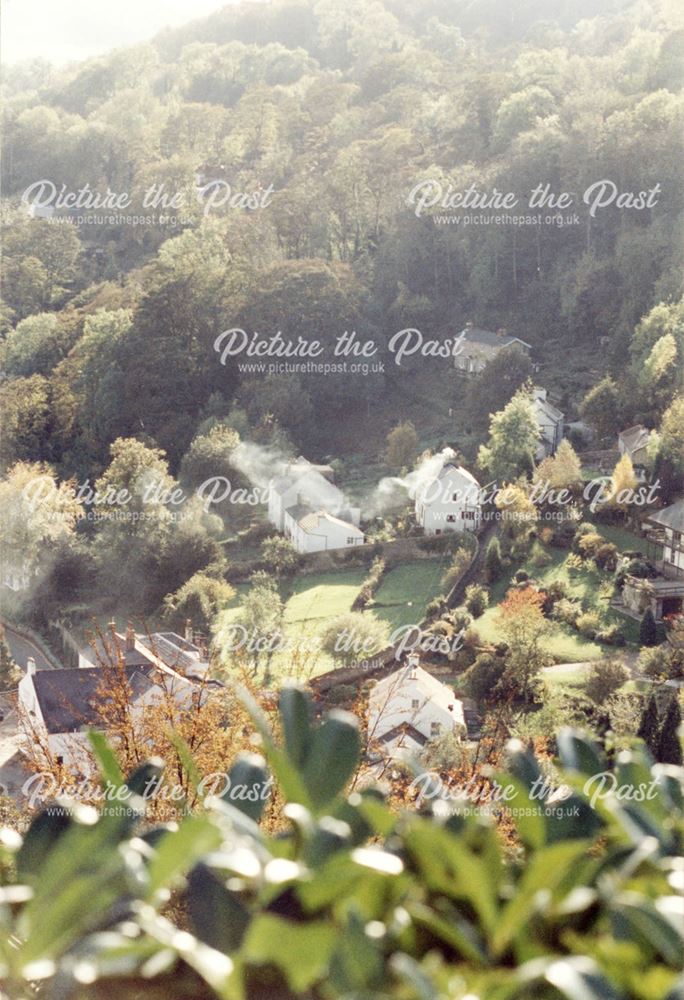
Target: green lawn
(569, 677)
(314, 599)
(405, 591)
(624, 539)
(323, 595)
(563, 643)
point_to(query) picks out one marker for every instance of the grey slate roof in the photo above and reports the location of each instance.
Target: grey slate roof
(69, 699)
(476, 335)
(172, 650)
(670, 517)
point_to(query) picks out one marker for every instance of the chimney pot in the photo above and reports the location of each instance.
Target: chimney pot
(130, 637)
(30, 665)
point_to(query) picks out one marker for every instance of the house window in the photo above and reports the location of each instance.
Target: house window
(438, 531)
(351, 541)
(468, 515)
(59, 758)
(450, 518)
(435, 728)
(415, 703)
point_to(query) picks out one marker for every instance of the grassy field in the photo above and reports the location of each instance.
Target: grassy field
(624, 539)
(565, 677)
(405, 591)
(313, 600)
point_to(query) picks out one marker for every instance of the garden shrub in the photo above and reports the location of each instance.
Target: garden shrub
(539, 557)
(589, 543)
(610, 635)
(476, 599)
(606, 556)
(588, 624)
(370, 584)
(567, 611)
(604, 679)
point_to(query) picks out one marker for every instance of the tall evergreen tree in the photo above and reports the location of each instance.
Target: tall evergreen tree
(649, 728)
(669, 746)
(647, 629)
(492, 562)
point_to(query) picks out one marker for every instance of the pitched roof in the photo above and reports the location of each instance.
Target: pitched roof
(548, 409)
(431, 689)
(102, 652)
(634, 437)
(489, 338)
(670, 517)
(72, 698)
(301, 469)
(310, 522)
(174, 651)
(451, 467)
(461, 480)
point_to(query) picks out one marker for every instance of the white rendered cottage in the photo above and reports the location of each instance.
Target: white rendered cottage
(410, 707)
(318, 531)
(450, 501)
(311, 511)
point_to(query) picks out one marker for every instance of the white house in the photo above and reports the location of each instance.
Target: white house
(319, 531)
(450, 501)
(410, 707)
(550, 423)
(312, 511)
(59, 706)
(478, 347)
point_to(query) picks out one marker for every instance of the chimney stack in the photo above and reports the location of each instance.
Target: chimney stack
(30, 665)
(413, 662)
(501, 332)
(130, 637)
(188, 630)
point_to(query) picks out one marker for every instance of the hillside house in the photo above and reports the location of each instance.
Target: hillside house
(665, 528)
(159, 649)
(59, 706)
(478, 347)
(311, 511)
(550, 422)
(634, 442)
(410, 707)
(449, 502)
(318, 531)
(663, 594)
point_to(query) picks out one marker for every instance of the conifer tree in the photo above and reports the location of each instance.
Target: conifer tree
(669, 747)
(647, 629)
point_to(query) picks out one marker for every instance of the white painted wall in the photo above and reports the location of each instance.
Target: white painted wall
(446, 504)
(403, 699)
(330, 534)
